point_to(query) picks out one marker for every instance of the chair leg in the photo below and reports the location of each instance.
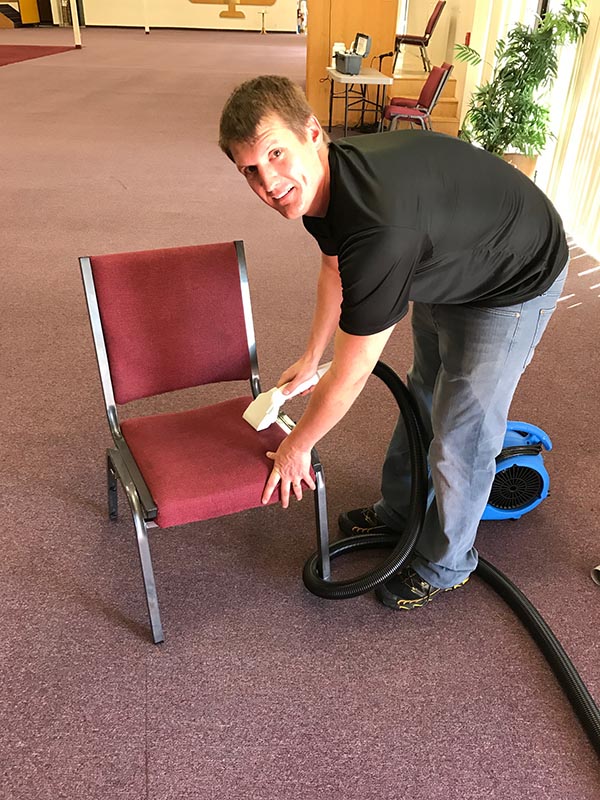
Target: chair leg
(141, 531)
(321, 518)
(148, 575)
(425, 58)
(111, 480)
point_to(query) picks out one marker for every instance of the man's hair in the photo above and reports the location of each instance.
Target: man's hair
(256, 99)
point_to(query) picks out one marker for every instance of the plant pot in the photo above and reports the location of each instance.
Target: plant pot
(525, 164)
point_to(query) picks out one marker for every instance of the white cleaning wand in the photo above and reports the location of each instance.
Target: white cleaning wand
(263, 410)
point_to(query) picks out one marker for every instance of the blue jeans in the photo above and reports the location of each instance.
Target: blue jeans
(466, 366)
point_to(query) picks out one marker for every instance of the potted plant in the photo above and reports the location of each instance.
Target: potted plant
(508, 115)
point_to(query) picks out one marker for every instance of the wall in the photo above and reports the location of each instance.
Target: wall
(280, 14)
(419, 12)
(490, 22)
(569, 169)
(456, 21)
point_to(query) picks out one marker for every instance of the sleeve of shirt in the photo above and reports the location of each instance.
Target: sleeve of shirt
(317, 228)
(376, 269)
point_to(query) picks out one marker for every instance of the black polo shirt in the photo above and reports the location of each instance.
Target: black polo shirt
(415, 215)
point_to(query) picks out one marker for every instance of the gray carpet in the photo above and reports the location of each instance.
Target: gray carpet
(261, 690)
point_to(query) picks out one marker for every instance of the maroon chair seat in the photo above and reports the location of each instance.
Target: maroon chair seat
(171, 319)
(407, 102)
(409, 38)
(203, 463)
(404, 112)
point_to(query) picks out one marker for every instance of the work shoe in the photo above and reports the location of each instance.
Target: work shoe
(407, 589)
(363, 520)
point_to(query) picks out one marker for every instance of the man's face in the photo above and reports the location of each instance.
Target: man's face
(288, 174)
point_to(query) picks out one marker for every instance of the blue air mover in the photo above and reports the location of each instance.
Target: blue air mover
(521, 481)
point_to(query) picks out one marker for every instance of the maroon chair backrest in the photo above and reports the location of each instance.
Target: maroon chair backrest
(430, 87)
(433, 19)
(171, 318)
(447, 71)
(447, 68)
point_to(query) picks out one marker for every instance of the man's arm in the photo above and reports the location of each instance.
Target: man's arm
(353, 361)
(325, 321)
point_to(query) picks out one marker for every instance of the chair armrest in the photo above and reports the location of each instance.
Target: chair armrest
(146, 499)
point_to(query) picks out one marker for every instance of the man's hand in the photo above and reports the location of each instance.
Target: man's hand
(291, 467)
(302, 370)
(353, 360)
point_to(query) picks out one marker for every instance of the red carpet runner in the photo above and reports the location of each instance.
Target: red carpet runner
(10, 53)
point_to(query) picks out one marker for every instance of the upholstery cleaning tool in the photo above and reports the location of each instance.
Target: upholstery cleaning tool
(263, 410)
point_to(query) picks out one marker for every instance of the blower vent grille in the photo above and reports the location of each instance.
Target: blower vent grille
(515, 487)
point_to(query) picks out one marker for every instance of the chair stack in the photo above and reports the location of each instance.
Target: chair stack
(421, 41)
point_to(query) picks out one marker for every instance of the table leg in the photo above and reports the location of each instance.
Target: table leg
(380, 109)
(346, 110)
(362, 104)
(330, 102)
(378, 106)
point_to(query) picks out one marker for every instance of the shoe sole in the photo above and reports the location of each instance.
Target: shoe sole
(398, 604)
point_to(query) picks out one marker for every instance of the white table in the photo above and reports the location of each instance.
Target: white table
(366, 77)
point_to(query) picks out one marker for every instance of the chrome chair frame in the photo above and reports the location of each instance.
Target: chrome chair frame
(122, 467)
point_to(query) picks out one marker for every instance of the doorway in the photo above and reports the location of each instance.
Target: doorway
(65, 7)
(45, 12)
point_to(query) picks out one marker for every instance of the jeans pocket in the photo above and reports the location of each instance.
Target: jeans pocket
(542, 321)
(501, 311)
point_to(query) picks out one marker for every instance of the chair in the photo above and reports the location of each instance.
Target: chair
(419, 111)
(411, 102)
(171, 319)
(422, 41)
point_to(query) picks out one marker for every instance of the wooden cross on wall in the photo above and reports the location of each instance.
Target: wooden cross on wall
(232, 11)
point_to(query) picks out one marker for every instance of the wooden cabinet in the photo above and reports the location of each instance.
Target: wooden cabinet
(332, 21)
(29, 12)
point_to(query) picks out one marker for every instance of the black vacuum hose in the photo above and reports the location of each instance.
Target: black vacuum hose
(568, 677)
(403, 547)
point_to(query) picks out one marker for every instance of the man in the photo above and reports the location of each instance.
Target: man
(399, 216)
